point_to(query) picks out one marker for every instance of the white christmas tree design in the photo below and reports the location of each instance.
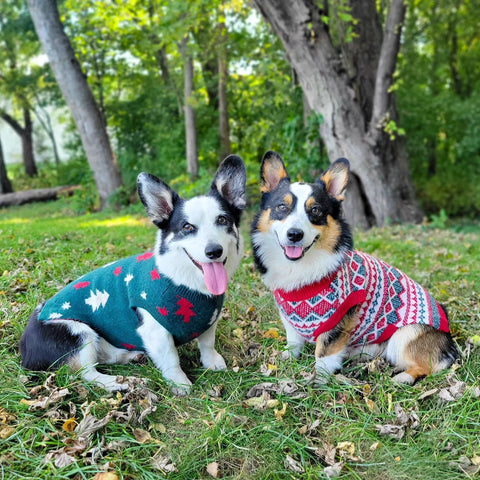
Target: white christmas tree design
(54, 316)
(97, 299)
(144, 295)
(128, 278)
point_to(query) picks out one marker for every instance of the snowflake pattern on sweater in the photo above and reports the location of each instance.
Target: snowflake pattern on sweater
(106, 299)
(386, 299)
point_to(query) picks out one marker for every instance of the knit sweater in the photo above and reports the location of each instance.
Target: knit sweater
(385, 297)
(106, 300)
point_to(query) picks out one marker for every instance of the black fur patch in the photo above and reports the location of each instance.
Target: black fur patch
(47, 344)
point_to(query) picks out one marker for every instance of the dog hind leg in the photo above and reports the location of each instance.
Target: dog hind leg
(420, 350)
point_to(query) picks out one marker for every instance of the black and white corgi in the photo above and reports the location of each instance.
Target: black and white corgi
(153, 301)
(346, 302)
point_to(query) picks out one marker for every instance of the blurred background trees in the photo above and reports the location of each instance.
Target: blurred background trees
(154, 65)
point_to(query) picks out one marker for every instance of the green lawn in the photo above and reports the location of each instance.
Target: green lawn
(359, 426)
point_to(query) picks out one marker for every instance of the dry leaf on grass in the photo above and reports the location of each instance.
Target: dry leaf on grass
(163, 463)
(346, 450)
(213, 469)
(333, 471)
(293, 465)
(285, 387)
(402, 421)
(280, 413)
(106, 476)
(6, 431)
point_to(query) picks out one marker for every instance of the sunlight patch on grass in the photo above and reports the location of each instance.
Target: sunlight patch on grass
(126, 221)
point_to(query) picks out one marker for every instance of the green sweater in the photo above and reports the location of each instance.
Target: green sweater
(106, 300)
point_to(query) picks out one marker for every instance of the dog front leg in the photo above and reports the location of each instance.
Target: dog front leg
(330, 349)
(209, 357)
(295, 341)
(160, 347)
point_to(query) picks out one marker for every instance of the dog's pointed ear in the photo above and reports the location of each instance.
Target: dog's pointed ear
(336, 178)
(157, 197)
(272, 172)
(230, 181)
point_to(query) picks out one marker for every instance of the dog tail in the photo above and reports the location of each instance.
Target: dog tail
(46, 345)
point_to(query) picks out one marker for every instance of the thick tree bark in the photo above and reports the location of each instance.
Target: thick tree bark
(5, 184)
(354, 116)
(224, 128)
(26, 136)
(190, 122)
(77, 93)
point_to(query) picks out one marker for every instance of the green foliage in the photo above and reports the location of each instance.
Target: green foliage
(44, 246)
(440, 105)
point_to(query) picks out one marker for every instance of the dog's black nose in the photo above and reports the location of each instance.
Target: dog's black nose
(294, 234)
(213, 251)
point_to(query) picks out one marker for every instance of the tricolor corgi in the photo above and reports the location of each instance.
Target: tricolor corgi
(153, 301)
(346, 302)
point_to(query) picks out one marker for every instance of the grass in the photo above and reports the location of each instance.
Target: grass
(308, 431)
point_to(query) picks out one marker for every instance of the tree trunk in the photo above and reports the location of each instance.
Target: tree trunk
(354, 115)
(27, 144)
(5, 184)
(190, 122)
(38, 195)
(26, 136)
(224, 128)
(79, 98)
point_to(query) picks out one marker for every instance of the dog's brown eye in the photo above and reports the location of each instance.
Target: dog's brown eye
(315, 211)
(188, 228)
(222, 220)
(282, 207)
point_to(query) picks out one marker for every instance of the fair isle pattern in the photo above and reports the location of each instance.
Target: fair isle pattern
(386, 298)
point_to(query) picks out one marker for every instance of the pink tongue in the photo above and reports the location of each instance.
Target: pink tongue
(294, 252)
(215, 276)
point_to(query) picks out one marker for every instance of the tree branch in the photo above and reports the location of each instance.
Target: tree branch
(386, 64)
(12, 122)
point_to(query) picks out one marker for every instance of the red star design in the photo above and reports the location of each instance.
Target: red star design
(162, 311)
(117, 271)
(155, 275)
(145, 256)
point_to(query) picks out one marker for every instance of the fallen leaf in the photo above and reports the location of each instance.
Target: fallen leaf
(280, 413)
(374, 446)
(213, 470)
(327, 453)
(334, 470)
(163, 463)
(142, 436)
(69, 425)
(6, 432)
(90, 424)
(60, 458)
(271, 333)
(347, 450)
(475, 459)
(393, 431)
(293, 465)
(428, 393)
(370, 404)
(106, 476)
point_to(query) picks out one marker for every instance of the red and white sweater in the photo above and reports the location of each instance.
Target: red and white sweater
(385, 297)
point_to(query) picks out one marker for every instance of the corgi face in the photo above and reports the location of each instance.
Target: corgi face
(298, 235)
(198, 243)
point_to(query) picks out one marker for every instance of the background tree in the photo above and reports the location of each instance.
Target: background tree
(18, 78)
(348, 81)
(87, 116)
(5, 184)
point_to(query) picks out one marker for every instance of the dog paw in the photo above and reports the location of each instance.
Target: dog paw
(292, 351)
(181, 390)
(404, 378)
(109, 383)
(213, 361)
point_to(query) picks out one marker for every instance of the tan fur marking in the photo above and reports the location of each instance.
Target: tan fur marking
(423, 352)
(264, 222)
(273, 173)
(348, 324)
(288, 199)
(329, 234)
(310, 202)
